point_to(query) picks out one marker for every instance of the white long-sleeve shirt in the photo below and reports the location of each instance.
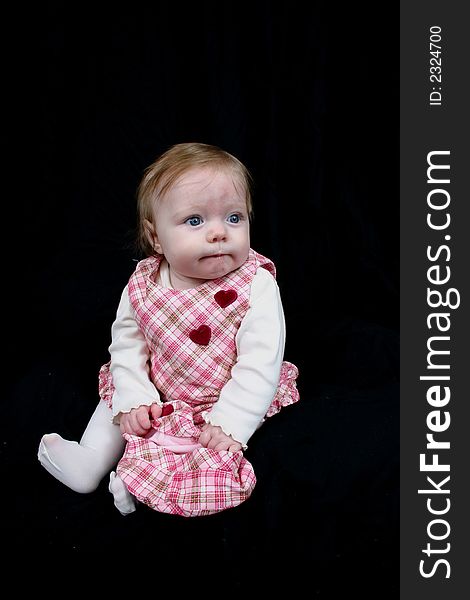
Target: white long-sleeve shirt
(245, 398)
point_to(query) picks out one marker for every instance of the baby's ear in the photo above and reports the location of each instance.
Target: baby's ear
(152, 237)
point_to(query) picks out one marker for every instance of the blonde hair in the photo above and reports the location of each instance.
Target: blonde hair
(162, 174)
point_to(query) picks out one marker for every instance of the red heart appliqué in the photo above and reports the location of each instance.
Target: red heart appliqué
(201, 335)
(225, 297)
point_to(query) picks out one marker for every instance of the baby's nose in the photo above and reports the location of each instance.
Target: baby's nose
(216, 233)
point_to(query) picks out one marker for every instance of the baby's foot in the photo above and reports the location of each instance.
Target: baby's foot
(123, 499)
(69, 462)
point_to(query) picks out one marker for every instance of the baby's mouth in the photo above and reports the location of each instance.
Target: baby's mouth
(215, 255)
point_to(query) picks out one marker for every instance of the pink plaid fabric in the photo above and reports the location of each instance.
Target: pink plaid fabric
(191, 334)
(180, 367)
(171, 472)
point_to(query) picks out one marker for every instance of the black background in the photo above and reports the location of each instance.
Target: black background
(307, 97)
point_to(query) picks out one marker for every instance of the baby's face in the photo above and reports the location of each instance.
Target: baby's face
(202, 227)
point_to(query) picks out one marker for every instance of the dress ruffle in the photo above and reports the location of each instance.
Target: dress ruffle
(287, 392)
(105, 385)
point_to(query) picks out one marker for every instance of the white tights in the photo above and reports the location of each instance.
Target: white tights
(81, 466)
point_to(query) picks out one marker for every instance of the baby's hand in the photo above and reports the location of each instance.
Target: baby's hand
(137, 421)
(213, 437)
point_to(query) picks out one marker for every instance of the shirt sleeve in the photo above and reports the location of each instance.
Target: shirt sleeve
(129, 362)
(260, 341)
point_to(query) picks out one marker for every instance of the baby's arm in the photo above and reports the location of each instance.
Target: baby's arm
(135, 399)
(246, 397)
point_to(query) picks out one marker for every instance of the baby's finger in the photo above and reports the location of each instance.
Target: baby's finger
(155, 410)
(134, 426)
(142, 418)
(215, 441)
(221, 446)
(205, 438)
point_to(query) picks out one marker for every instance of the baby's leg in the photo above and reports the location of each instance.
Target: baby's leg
(82, 466)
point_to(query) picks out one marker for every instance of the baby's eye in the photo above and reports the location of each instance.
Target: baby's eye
(235, 218)
(194, 221)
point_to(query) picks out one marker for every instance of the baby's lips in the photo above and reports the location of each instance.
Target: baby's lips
(167, 409)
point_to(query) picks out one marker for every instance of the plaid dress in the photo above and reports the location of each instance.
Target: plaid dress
(191, 335)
